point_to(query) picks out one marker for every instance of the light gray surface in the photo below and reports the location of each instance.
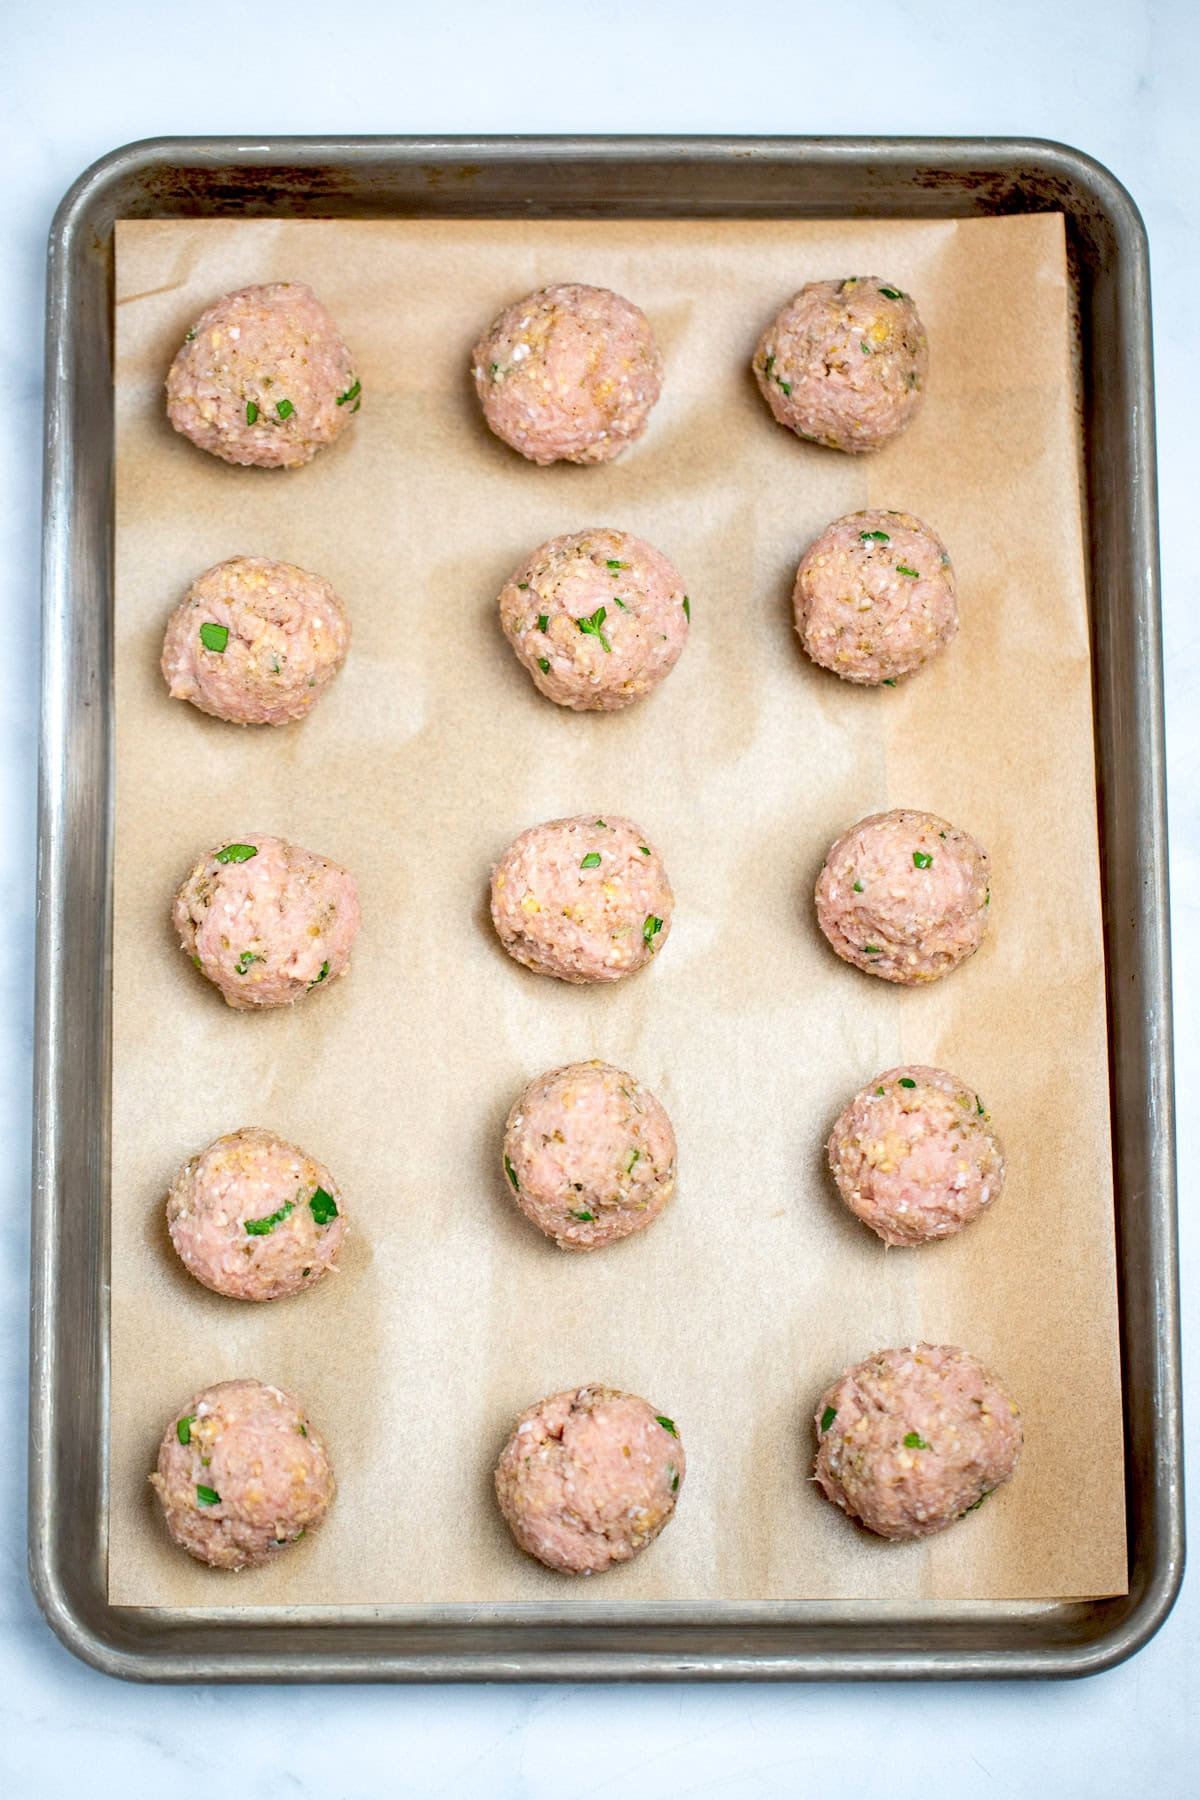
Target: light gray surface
(1116, 81)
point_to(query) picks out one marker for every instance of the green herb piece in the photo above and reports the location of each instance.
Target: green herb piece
(245, 959)
(888, 682)
(785, 385)
(673, 1476)
(907, 1081)
(879, 1090)
(667, 1424)
(914, 1441)
(543, 621)
(921, 859)
(284, 408)
(323, 1207)
(237, 853)
(602, 825)
(651, 927)
(987, 892)
(979, 1106)
(874, 537)
(183, 1429)
(617, 601)
(644, 850)
(251, 413)
(320, 978)
(975, 1504)
(591, 860)
(903, 569)
(214, 637)
(864, 346)
(197, 962)
(872, 950)
(275, 665)
(614, 565)
(687, 609)
(261, 1227)
(891, 293)
(512, 1175)
(305, 1273)
(207, 1496)
(858, 887)
(768, 366)
(351, 393)
(594, 627)
(827, 1418)
(585, 1218)
(522, 585)
(493, 369)
(302, 1428)
(190, 336)
(636, 1157)
(543, 665)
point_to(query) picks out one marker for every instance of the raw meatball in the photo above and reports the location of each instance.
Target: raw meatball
(267, 922)
(910, 1440)
(915, 1157)
(255, 642)
(241, 1474)
(255, 1218)
(874, 597)
(844, 363)
(263, 377)
(583, 899)
(590, 1155)
(589, 1478)
(569, 374)
(904, 895)
(598, 618)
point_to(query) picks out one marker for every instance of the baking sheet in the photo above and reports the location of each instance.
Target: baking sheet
(432, 751)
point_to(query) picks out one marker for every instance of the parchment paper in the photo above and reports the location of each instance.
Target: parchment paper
(433, 750)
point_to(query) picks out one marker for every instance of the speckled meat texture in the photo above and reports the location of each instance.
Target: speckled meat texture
(875, 597)
(915, 1157)
(242, 1473)
(598, 618)
(905, 896)
(844, 363)
(267, 922)
(255, 1218)
(589, 1155)
(255, 642)
(583, 899)
(569, 374)
(589, 1478)
(263, 378)
(911, 1439)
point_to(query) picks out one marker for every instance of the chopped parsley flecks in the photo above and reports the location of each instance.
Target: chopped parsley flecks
(602, 825)
(903, 569)
(667, 1424)
(351, 393)
(543, 621)
(827, 1418)
(872, 949)
(189, 337)
(614, 565)
(858, 887)
(687, 609)
(262, 1227)
(284, 408)
(512, 1175)
(237, 853)
(214, 637)
(888, 682)
(874, 537)
(585, 1218)
(644, 849)
(594, 627)
(634, 1157)
(323, 1207)
(183, 1428)
(878, 1090)
(673, 1477)
(922, 859)
(319, 978)
(521, 586)
(617, 601)
(245, 959)
(907, 1081)
(979, 1106)
(864, 346)
(544, 665)
(651, 926)
(251, 412)
(914, 1441)
(591, 860)
(891, 293)
(207, 1496)
(975, 1504)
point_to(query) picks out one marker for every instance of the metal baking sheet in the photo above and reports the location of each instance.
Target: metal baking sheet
(585, 179)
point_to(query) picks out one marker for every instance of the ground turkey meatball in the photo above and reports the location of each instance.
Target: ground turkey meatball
(589, 1154)
(915, 1157)
(589, 1478)
(255, 1218)
(904, 895)
(255, 642)
(598, 618)
(583, 899)
(874, 597)
(844, 363)
(263, 377)
(569, 374)
(267, 922)
(241, 1474)
(911, 1439)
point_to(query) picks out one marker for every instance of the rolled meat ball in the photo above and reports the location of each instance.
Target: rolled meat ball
(915, 1157)
(589, 1155)
(255, 642)
(589, 1478)
(911, 1439)
(583, 899)
(905, 896)
(875, 597)
(267, 922)
(242, 1473)
(845, 362)
(255, 1218)
(598, 618)
(263, 378)
(568, 374)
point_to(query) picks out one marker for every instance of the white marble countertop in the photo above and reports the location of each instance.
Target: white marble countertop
(1114, 77)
